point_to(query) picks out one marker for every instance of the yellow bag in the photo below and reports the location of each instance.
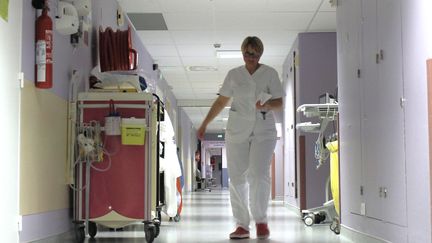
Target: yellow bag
(333, 147)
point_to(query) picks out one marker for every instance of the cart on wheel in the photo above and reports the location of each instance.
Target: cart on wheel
(115, 170)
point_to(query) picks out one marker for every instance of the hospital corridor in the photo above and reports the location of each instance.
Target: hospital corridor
(164, 121)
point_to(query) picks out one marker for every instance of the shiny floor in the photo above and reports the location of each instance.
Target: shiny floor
(206, 217)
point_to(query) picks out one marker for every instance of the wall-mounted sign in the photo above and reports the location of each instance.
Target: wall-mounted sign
(4, 9)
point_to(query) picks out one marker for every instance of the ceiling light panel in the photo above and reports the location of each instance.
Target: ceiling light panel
(229, 54)
(205, 69)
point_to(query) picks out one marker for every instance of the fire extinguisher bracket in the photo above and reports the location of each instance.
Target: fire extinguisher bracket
(38, 4)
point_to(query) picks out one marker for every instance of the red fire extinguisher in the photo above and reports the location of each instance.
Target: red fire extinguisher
(44, 48)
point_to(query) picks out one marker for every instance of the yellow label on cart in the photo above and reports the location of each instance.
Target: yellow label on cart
(133, 133)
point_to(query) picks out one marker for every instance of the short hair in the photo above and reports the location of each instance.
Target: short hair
(253, 42)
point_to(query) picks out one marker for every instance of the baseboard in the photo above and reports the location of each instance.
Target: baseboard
(356, 236)
(44, 225)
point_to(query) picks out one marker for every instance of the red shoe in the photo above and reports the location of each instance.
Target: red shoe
(262, 231)
(239, 233)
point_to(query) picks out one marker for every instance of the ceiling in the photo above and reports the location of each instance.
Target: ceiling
(191, 28)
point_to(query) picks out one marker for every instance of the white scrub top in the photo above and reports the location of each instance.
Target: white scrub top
(244, 119)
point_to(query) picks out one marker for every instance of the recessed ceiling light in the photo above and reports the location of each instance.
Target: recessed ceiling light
(228, 54)
(201, 68)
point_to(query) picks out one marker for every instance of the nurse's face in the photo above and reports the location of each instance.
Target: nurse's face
(251, 56)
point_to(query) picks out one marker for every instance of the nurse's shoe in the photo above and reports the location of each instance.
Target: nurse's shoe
(262, 231)
(239, 233)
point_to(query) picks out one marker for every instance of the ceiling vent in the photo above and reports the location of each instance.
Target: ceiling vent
(148, 21)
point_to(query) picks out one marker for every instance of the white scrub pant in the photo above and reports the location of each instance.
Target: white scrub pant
(249, 172)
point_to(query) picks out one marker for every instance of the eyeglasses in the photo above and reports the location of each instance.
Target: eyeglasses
(251, 54)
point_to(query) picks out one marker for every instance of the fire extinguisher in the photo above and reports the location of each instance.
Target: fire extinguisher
(44, 50)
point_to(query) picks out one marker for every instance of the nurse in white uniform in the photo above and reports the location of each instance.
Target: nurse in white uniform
(250, 136)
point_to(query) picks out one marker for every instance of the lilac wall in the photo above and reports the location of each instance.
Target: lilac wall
(65, 57)
(83, 58)
(317, 75)
(417, 40)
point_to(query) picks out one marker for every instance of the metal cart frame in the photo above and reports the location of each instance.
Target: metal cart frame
(83, 178)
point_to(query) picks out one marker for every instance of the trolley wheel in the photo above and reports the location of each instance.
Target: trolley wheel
(335, 227)
(337, 230)
(150, 233)
(309, 219)
(157, 231)
(177, 218)
(79, 233)
(92, 228)
(157, 224)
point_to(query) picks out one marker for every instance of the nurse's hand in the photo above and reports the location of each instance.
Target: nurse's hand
(263, 107)
(273, 104)
(201, 132)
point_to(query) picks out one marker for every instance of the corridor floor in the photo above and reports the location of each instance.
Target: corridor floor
(206, 217)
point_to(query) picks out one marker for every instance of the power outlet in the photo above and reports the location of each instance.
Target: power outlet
(363, 208)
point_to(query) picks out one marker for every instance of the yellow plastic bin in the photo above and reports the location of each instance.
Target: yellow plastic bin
(133, 131)
(333, 147)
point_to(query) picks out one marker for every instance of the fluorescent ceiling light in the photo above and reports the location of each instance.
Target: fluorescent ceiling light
(201, 68)
(228, 54)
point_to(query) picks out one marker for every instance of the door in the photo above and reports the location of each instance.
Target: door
(290, 132)
(350, 76)
(391, 120)
(383, 113)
